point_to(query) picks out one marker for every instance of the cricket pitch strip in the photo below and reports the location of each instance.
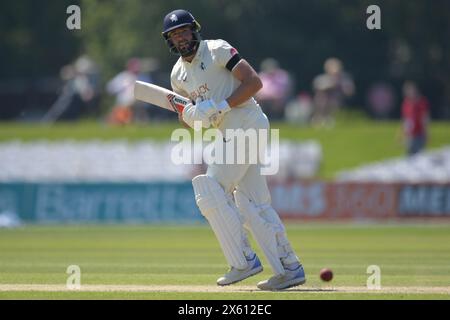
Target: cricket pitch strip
(217, 289)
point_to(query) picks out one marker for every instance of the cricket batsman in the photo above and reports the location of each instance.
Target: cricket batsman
(232, 197)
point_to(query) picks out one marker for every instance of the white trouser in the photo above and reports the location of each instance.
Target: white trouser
(253, 200)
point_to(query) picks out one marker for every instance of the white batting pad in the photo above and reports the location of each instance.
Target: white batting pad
(224, 221)
(285, 251)
(264, 231)
(248, 251)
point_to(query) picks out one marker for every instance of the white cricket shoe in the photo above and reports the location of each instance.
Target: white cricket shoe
(294, 276)
(236, 275)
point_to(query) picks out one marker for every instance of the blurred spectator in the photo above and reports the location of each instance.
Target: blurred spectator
(276, 90)
(381, 100)
(299, 109)
(126, 109)
(330, 90)
(80, 94)
(415, 116)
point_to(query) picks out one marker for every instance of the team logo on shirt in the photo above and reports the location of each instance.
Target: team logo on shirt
(202, 66)
(200, 92)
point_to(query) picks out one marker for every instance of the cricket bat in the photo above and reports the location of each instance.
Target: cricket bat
(160, 96)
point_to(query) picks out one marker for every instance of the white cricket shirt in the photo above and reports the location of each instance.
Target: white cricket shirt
(206, 76)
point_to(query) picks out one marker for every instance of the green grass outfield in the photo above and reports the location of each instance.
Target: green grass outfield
(183, 262)
(354, 141)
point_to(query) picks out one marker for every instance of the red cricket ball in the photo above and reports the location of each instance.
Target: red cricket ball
(326, 274)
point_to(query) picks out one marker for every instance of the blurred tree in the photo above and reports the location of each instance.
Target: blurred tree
(34, 39)
(413, 42)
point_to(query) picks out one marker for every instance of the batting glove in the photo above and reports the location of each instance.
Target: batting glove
(209, 107)
(192, 113)
(214, 111)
